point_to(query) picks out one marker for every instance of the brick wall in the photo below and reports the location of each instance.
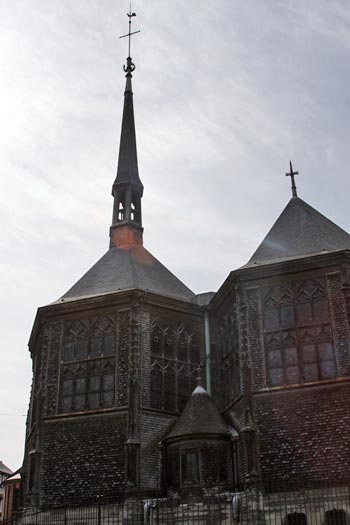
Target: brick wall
(154, 428)
(305, 432)
(83, 457)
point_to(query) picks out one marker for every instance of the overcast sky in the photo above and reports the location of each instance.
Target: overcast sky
(225, 93)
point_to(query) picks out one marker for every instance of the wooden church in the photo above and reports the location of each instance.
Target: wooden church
(142, 386)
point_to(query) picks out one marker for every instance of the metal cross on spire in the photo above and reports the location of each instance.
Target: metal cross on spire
(130, 15)
(291, 175)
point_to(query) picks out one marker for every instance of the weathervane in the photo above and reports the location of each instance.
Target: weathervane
(291, 175)
(130, 66)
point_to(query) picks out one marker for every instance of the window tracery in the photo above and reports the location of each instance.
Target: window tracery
(175, 356)
(87, 368)
(298, 335)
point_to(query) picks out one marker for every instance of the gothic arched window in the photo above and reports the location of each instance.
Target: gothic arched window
(75, 345)
(279, 309)
(175, 355)
(298, 334)
(312, 304)
(102, 338)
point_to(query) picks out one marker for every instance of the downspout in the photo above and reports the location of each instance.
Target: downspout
(207, 351)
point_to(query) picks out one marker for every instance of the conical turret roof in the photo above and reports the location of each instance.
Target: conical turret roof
(200, 416)
(300, 230)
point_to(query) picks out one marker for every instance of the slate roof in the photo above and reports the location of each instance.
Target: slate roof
(200, 416)
(128, 268)
(128, 171)
(300, 230)
(4, 469)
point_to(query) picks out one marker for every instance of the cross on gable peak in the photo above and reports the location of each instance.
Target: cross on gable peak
(292, 174)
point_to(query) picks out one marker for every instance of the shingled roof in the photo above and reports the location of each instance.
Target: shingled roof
(200, 416)
(300, 230)
(126, 269)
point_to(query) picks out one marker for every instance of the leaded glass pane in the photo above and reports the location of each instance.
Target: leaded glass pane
(291, 356)
(169, 349)
(326, 351)
(66, 404)
(108, 344)
(81, 349)
(275, 359)
(321, 311)
(94, 400)
(287, 316)
(80, 385)
(309, 354)
(67, 387)
(271, 319)
(182, 353)
(276, 377)
(304, 313)
(108, 381)
(96, 346)
(68, 351)
(95, 383)
(292, 374)
(328, 369)
(310, 372)
(107, 399)
(79, 402)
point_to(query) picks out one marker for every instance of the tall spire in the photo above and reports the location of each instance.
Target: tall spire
(127, 189)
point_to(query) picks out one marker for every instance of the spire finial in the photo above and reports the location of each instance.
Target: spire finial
(129, 68)
(199, 377)
(291, 175)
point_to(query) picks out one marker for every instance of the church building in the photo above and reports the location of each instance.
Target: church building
(142, 386)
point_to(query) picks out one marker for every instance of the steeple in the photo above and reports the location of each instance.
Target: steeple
(127, 189)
